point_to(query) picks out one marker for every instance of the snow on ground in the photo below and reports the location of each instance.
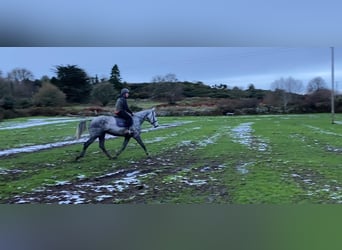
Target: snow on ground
(28, 148)
(243, 134)
(323, 131)
(36, 122)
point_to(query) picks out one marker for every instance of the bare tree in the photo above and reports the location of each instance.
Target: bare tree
(286, 88)
(316, 84)
(289, 85)
(170, 77)
(20, 75)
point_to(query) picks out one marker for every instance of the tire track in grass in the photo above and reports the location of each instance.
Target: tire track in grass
(328, 148)
(243, 134)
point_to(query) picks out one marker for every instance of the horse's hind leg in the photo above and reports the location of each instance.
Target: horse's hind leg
(102, 145)
(85, 146)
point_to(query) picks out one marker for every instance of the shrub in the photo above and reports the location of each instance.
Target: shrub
(49, 96)
(103, 93)
(7, 102)
(1, 114)
(23, 103)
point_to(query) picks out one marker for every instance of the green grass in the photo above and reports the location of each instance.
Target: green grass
(35, 135)
(285, 159)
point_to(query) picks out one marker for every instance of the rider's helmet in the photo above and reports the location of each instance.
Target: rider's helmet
(124, 91)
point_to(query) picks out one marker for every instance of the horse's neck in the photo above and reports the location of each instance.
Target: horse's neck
(140, 116)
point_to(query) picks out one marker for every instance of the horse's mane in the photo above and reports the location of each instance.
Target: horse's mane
(143, 112)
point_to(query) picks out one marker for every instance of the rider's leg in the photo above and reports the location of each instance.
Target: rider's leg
(129, 121)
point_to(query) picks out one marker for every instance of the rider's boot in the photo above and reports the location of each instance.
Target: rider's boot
(129, 131)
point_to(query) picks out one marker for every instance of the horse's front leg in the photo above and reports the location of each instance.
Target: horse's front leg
(138, 139)
(124, 145)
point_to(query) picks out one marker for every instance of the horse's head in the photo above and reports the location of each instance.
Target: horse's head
(152, 118)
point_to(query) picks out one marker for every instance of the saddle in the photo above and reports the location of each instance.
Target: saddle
(121, 122)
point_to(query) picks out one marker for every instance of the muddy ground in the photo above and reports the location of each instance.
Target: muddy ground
(150, 180)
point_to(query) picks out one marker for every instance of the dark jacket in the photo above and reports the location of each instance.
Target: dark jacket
(122, 106)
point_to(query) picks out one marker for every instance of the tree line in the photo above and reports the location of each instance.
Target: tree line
(72, 85)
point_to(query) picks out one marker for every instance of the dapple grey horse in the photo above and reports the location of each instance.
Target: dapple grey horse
(102, 125)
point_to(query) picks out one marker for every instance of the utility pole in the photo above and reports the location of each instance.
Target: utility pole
(332, 87)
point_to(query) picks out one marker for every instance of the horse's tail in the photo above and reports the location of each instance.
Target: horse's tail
(82, 126)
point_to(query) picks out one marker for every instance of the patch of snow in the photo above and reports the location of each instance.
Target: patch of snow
(35, 148)
(36, 122)
(243, 134)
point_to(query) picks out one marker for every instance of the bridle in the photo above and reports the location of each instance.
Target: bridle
(154, 120)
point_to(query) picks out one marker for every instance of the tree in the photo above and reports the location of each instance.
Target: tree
(49, 96)
(74, 82)
(286, 88)
(20, 75)
(316, 84)
(22, 83)
(5, 88)
(319, 100)
(45, 78)
(104, 93)
(167, 87)
(289, 85)
(115, 78)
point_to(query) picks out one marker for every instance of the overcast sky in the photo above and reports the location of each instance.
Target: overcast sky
(217, 41)
(171, 23)
(234, 66)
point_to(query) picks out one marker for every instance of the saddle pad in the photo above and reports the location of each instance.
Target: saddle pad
(120, 122)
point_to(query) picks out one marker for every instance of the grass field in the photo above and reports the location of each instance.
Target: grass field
(284, 159)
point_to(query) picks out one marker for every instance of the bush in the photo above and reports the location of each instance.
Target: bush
(44, 111)
(103, 93)
(49, 96)
(23, 103)
(1, 114)
(7, 102)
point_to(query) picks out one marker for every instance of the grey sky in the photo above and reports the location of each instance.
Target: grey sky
(217, 41)
(170, 23)
(235, 66)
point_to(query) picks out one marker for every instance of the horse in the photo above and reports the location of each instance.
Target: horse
(102, 125)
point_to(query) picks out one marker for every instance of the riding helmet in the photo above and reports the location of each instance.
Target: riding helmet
(124, 91)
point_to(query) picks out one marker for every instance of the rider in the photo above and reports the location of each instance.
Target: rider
(122, 110)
